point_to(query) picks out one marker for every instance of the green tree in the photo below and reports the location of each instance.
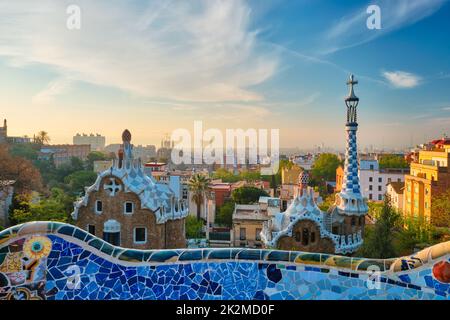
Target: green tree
(46, 210)
(324, 168)
(440, 210)
(392, 161)
(379, 242)
(198, 185)
(24, 150)
(95, 156)
(275, 179)
(247, 195)
(225, 175)
(415, 233)
(224, 214)
(193, 228)
(76, 181)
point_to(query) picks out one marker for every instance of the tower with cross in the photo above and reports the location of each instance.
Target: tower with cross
(350, 200)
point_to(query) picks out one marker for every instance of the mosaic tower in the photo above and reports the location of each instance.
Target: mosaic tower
(350, 200)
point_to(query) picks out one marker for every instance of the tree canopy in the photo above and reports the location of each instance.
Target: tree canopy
(324, 168)
(392, 161)
(247, 195)
(379, 242)
(440, 208)
(224, 216)
(27, 178)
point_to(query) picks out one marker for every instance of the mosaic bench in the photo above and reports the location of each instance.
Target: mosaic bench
(57, 261)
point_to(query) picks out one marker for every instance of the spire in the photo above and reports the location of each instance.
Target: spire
(350, 200)
(127, 147)
(351, 101)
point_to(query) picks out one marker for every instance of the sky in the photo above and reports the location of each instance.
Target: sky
(156, 66)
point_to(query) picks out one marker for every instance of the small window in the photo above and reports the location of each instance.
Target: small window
(128, 207)
(257, 235)
(379, 188)
(353, 221)
(335, 230)
(370, 196)
(243, 234)
(313, 237)
(98, 206)
(370, 187)
(298, 236)
(380, 197)
(305, 237)
(380, 179)
(140, 235)
(370, 179)
(91, 229)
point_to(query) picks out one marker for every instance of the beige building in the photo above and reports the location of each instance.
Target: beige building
(248, 221)
(96, 141)
(429, 177)
(395, 192)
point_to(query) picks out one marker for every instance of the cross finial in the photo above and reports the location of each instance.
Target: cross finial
(351, 95)
(352, 80)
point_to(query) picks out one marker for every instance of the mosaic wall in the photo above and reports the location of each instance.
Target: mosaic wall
(45, 260)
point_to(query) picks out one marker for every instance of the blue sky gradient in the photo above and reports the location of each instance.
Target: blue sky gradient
(154, 66)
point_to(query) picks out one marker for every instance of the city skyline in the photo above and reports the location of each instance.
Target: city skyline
(232, 64)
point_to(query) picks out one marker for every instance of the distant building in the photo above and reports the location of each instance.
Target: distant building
(96, 141)
(165, 151)
(395, 192)
(151, 167)
(145, 153)
(4, 132)
(6, 196)
(248, 221)
(429, 177)
(4, 138)
(304, 161)
(289, 181)
(63, 153)
(374, 180)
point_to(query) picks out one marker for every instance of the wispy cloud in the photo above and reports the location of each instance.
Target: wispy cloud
(53, 89)
(401, 79)
(203, 50)
(351, 30)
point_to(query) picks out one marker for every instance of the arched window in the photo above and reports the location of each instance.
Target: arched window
(98, 206)
(111, 232)
(305, 238)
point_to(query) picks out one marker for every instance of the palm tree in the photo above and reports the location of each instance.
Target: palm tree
(198, 185)
(42, 137)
